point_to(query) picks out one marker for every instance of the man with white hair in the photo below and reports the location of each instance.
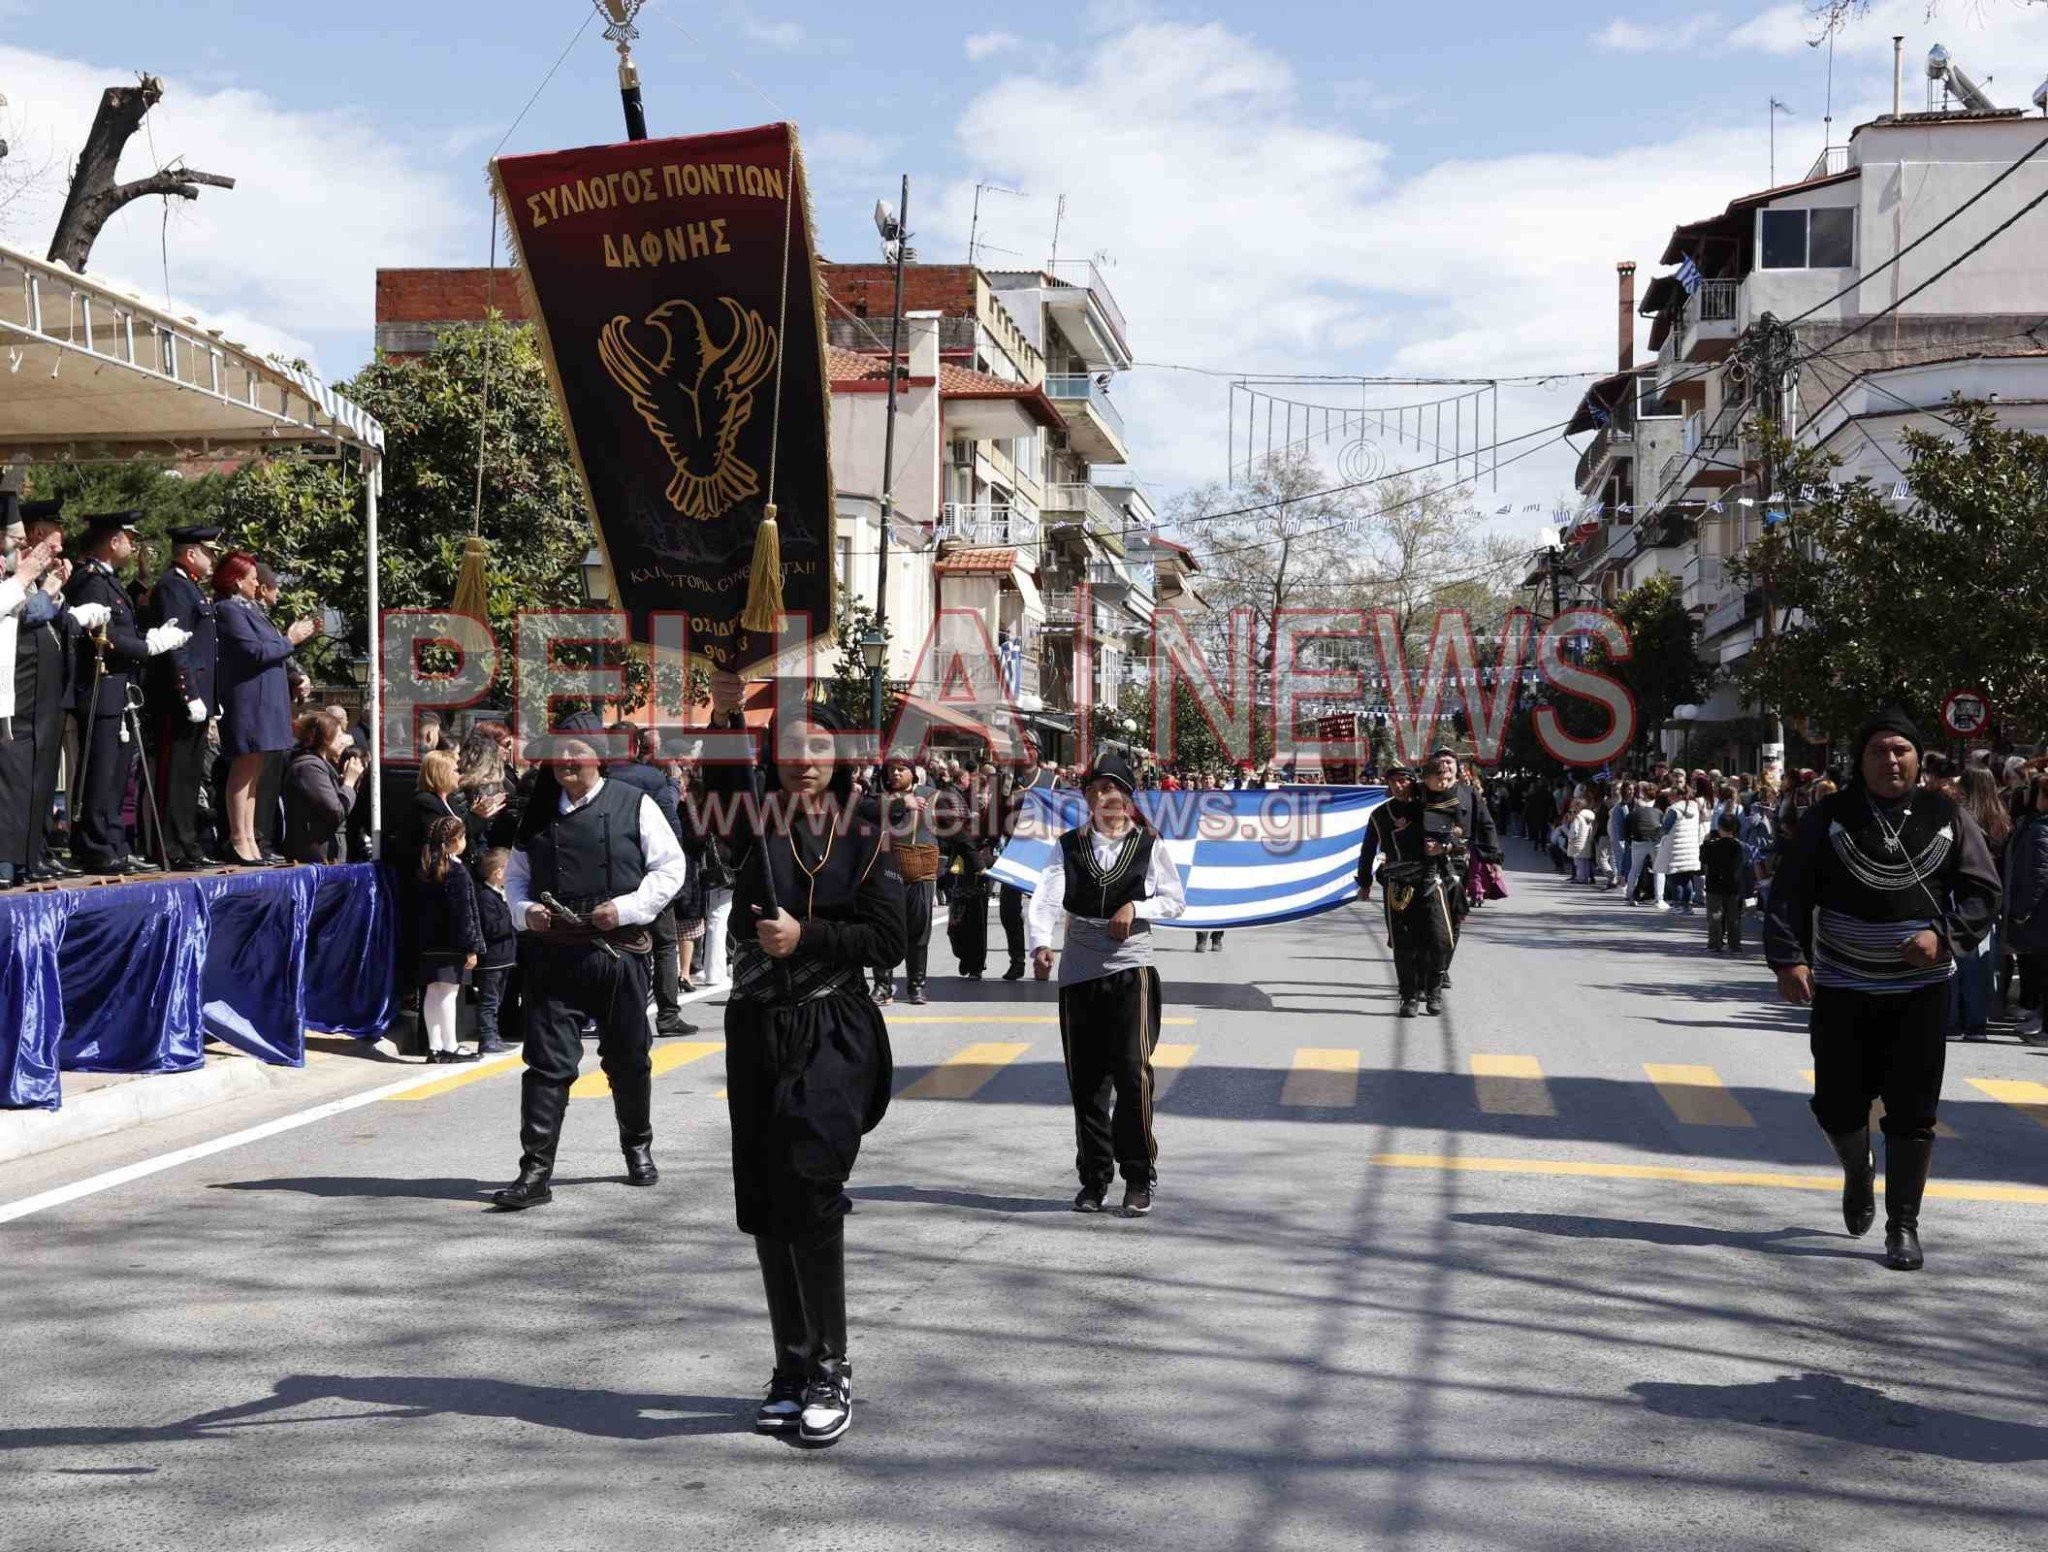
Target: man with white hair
(25, 566)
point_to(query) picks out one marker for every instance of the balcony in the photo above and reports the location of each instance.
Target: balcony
(1832, 159)
(1706, 323)
(1105, 318)
(984, 524)
(1704, 583)
(1065, 502)
(1614, 441)
(1094, 425)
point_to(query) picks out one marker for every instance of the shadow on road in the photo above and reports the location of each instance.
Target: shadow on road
(973, 1201)
(599, 1414)
(1771, 1242)
(1830, 1408)
(428, 1188)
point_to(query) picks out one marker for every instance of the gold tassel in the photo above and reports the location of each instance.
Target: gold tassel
(764, 582)
(472, 592)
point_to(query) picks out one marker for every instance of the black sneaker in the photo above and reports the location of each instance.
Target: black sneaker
(1408, 1008)
(885, 994)
(917, 996)
(828, 1408)
(784, 1408)
(1137, 1200)
(1089, 1199)
(1433, 1004)
(493, 1048)
(1014, 973)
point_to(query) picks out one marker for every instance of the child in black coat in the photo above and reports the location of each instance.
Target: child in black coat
(1726, 862)
(451, 938)
(501, 950)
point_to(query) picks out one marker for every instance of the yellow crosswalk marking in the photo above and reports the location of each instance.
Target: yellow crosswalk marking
(1511, 1085)
(1941, 1128)
(461, 1078)
(664, 1058)
(1168, 1063)
(1322, 1079)
(962, 1075)
(1697, 1096)
(2030, 1099)
(1952, 1190)
(1003, 1018)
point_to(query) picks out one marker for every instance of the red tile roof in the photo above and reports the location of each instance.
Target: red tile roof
(855, 372)
(968, 563)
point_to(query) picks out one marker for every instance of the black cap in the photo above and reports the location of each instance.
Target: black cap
(1443, 752)
(100, 524)
(1892, 719)
(41, 511)
(1111, 766)
(184, 536)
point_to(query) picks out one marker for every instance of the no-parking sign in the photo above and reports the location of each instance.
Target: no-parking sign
(1965, 712)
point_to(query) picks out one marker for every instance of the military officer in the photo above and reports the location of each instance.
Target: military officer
(180, 696)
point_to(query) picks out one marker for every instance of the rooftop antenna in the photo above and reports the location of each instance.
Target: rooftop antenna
(1059, 215)
(1777, 108)
(974, 226)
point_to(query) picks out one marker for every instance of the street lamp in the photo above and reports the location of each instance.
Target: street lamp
(895, 237)
(874, 649)
(594, 579)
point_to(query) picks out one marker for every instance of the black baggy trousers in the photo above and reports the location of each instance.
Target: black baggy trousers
(1108, 1028)
(1422, 934)
(1878, 1045)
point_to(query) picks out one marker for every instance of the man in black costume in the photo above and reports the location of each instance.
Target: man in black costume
(115, 650)
(1425, 834)
(1882, 887)
(1110, 878)
(601, 851)
(179, 686)
(904, 809)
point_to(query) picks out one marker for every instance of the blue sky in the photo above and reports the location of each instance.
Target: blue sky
(1283, 186)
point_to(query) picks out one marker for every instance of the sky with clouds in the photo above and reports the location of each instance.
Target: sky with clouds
(1292, 186)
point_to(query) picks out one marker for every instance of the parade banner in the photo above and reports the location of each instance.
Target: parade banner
(674, 284)
(1246, 859)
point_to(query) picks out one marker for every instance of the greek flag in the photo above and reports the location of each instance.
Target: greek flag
(1010, 652)
(1689, 275)
(1247, 859)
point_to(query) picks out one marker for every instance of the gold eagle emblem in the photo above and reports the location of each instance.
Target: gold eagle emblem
(696, 395)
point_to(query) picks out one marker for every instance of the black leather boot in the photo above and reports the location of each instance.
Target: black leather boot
(821, 1276)
(1859, 1178)
(783, 1409)
(1906, 1160)
(632, 1097)
(542, 1104)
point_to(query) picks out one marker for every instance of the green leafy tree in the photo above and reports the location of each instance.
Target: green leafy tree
(850, 690)
(1873, 601)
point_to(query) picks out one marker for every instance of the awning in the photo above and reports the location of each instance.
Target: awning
(1034, 604)
(1606, 395)
(89, 373)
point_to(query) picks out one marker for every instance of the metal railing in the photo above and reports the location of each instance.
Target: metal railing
(1079, 387)
(988, 523)
(1832, 159)
(1703, 581)
(1714, 302)
(1086, 500)
(1099, 289)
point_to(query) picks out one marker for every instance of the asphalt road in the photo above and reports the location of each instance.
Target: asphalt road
(1546, 1272)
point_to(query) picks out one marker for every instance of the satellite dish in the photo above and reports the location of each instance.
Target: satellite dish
(1548, 538)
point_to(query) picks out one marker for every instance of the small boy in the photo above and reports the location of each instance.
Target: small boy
(1725, 861)
(501, 951)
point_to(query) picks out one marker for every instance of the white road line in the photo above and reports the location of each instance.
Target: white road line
(107, 1181)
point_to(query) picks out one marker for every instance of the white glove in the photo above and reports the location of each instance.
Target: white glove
(166, 638)
(90, 616)
(195, 708)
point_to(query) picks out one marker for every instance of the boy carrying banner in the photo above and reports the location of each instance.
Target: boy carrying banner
(1111, 878)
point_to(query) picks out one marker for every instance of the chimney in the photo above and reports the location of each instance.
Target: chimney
(1627, 314)
(921, 337)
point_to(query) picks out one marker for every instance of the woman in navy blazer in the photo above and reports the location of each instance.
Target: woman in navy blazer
(255, 697)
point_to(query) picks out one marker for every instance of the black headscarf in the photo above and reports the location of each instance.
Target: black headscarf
(821, 714)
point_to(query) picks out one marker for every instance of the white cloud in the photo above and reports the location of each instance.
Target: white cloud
(286, 256)
(2006, 37)
(1626, 37)
(782, 36)
(832, 153)
(985, 45)
(1247, 237)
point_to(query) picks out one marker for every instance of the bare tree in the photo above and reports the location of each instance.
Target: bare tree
(94, 195)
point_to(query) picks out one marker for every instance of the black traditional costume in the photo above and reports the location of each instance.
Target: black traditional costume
(808, 1071)
(1424, 843)
(1860, 878)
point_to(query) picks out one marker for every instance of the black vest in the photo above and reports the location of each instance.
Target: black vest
(593, 854)
(1100, 895)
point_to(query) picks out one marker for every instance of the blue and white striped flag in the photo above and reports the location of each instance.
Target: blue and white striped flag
(1247, 859)
(1689, 275)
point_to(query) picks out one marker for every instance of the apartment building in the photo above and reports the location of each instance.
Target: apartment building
(1851, 257)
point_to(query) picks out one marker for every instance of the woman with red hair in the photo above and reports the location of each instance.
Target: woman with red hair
(255, 696)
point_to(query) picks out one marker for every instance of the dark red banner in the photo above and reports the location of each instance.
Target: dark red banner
(675, 286)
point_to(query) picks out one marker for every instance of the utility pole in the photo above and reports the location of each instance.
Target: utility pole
(618, 18)
(894, 231)
(1770, 353)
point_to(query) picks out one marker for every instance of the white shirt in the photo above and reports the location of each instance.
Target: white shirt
(667, 868)
(1042, 919)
